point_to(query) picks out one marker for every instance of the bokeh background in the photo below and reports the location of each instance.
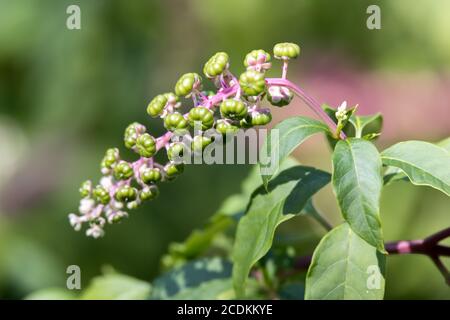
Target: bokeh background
(66, 95)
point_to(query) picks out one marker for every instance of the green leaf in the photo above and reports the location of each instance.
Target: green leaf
(217, 289)
(189, 276)
(116, 286)
(424, 163)
(445, 144)
(287, 194)
(367, 126)
(287, 136)
(357, 183)
(344, 266)
(52, 294)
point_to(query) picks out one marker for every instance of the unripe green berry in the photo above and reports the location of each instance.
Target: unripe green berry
(123, 171)
(132, 132)
(286, 50)
(256, 118)
(126, 194)
(101, 195)
(233, 109)
(252, 82)
(200, 142)
(151, 175)
(175, 151)
(156, 106)
(110, 159)
(279, 96)
(257, 59)
(146, 145)
(86, 189)
(202, 115)
(173, 170)
(187, 83)
(175, 121)
(149, 193)
(216, 65)
(261, 118)
(224, 127)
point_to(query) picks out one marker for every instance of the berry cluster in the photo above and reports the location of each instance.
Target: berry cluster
(126, 185)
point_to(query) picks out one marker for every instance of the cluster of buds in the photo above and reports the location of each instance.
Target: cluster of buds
(235, 105)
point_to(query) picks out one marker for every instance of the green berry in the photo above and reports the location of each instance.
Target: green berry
(202, 115)
(200, 142)
(175, 121)
(261, 118)
(173, 170)
(156, 106)
(132, 132)
(187, 83)
(123, 171)
(101, 195)
(149, 193)
(217, 64)
(86, 189)
(224, 127)
(233, 109)
(151, 175)
(286, 50)
(257, 58)
(175, 151)
(110, 159)
(279, 96)
(146, 145)
(252, 82)
(256, 118)
(126, 194)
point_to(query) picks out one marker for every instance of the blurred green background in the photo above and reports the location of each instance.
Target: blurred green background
(66, 96)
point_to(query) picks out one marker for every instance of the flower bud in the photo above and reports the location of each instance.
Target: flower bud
(279, 96)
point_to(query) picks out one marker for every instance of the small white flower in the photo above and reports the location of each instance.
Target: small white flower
(114, 216)
(95, 231)
(106, 182)
(75, 221)
(86, 205)
(341, 113)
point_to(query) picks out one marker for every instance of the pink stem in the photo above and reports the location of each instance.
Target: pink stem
(311, 102)
(285, 68)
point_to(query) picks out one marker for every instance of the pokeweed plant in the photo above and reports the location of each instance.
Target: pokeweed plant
(348, 263)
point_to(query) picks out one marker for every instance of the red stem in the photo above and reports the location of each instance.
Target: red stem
(429, 247)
